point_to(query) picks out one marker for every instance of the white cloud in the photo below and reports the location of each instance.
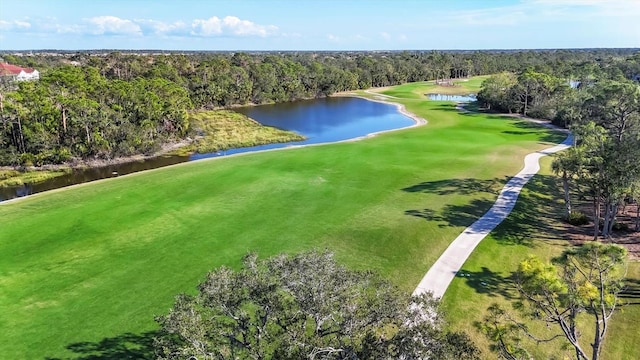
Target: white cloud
(490, 17)
(112, 25)
(230, 26)
(360, 37)
(608, 8)
(388, 37)
(538, 12)
(209, 27)
(150, 26)
(293, 35)
(15, 25)
(246, 27)
(582, 2)
(43, 26)
(66, 29)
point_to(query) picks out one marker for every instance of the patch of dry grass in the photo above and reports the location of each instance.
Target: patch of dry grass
(17, 178)
(225, 129)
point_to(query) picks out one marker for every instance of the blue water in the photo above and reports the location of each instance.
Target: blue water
(321, 121)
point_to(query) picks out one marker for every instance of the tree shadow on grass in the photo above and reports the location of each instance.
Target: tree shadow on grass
(452, 107)
(489, 282)
(630, 295)
(455, 215)
(458, 186)
(527, 127)
(125, 346)
(534, 216)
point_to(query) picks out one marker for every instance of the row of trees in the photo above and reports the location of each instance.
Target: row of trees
(604, 164)
(581, 287)
(76, 112)
(119, 104)
(604, 115)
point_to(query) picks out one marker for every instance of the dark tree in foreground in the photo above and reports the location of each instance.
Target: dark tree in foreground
(305, 307)
(584, 282)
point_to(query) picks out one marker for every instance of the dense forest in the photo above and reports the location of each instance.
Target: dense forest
(109, 105)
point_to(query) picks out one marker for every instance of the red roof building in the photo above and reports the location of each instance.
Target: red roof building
(18, 73)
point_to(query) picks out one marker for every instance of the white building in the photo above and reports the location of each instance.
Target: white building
(18, 73)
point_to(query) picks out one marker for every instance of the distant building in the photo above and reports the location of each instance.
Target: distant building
(18, 73)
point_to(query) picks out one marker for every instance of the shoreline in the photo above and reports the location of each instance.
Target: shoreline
(418, 121)
(402, 109)
(100, 163)
(167, 149)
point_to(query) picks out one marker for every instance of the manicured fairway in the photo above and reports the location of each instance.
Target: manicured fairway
(418, 90)
(97, 261)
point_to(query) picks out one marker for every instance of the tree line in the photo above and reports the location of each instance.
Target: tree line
(601, 106)
(75, 112)
(119, 104)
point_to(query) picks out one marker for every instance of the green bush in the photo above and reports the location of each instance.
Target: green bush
(620, 226)
(27, 159)
(577, 218)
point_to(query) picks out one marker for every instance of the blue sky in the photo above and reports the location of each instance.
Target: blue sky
(318, 25)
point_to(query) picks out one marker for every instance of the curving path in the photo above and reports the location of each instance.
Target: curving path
(447, 266)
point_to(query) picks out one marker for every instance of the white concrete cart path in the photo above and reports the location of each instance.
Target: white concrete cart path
(447, 266)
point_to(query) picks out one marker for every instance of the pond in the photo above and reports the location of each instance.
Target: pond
(320, 121)
(456, 98)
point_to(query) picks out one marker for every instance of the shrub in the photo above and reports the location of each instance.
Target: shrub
(577, 218)
(27, 159)
(620, 226)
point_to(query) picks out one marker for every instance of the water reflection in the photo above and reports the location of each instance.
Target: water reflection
(455, 98)
(79, 176)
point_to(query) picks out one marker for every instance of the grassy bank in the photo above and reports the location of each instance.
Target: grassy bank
(18, 178)
(225, 129)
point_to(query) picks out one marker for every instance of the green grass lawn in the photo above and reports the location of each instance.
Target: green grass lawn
(96, 262)
(418, 90)
(532, 229)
